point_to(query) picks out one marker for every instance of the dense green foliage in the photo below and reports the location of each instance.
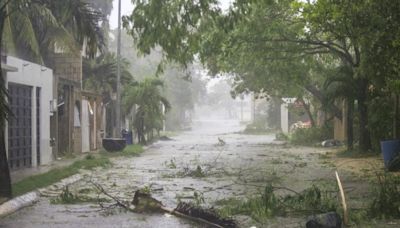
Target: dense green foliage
(326, 49)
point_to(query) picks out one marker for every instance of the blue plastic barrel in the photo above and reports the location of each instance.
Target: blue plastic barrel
(390, 149)
(127, 135)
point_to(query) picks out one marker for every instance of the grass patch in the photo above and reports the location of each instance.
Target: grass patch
(42, 180)
(133, 150)
(128, 151)
(356, 153)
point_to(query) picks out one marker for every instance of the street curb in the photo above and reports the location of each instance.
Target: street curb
(47, 191)
(17, 203)
(30, 198)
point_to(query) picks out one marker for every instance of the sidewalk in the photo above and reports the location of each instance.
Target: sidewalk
(21, 174)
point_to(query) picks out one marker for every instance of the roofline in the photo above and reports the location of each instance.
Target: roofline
(8, 68)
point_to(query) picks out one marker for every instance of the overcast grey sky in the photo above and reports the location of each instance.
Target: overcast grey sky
(126, 8)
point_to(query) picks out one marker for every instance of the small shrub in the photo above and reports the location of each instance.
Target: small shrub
(310, 136)
(281, 136)
(386, 202)
(198, 198)
(171, 164)
(66, 197)
(198, 172)
(257, 128)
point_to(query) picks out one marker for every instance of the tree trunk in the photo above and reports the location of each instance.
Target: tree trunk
(308, 111)
(318, 94)
(365, 137)
(350, 116)
(5, 180)
(395, 117)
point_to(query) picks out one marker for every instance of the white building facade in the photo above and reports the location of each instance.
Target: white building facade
(31, 96)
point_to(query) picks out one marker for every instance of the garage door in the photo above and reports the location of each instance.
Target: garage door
(20, 126)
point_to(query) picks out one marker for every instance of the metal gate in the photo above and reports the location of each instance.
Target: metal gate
(38, 157)
(20, 126)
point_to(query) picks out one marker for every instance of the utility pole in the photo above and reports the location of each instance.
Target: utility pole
(118, 102)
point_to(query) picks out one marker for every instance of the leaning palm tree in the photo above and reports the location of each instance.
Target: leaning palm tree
(150, 112)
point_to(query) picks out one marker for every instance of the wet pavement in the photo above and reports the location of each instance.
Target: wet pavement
(195, 166)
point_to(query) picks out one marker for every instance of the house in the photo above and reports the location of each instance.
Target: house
(51, 114)
(77, 125)
(92, 121)
(30, 88)
(66, 123)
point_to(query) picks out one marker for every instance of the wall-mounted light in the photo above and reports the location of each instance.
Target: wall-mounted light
(43, 69)
(25, 64)
(53, 105)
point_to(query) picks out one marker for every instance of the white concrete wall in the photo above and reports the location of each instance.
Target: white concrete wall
(284, 118)
(85, 126)
(34, 75)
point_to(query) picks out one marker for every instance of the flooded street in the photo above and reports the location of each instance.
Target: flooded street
(195, 166)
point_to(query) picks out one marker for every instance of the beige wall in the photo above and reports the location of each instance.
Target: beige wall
(340, 132)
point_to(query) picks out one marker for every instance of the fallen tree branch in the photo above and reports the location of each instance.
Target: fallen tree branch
(145, 202)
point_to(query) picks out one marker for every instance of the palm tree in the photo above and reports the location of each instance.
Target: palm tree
(36, 32)
(150, 113)
(100, 74)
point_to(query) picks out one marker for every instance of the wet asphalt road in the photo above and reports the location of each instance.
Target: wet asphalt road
(191, 164)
